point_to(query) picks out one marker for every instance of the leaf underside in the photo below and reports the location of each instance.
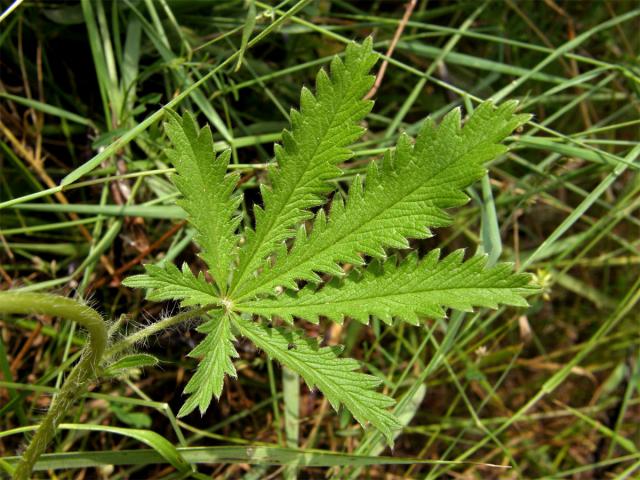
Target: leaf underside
(400, 198)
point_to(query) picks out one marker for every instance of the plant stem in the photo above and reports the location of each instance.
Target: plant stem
(85, 370)
(80, 376)
(136, 337)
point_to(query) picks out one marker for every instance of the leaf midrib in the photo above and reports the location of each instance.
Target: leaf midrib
(247, 306)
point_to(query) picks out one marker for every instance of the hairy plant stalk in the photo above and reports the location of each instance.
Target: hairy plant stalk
(141, 335)
(80, 376)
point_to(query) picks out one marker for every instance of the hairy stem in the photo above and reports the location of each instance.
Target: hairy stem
(92, 355)
(136, 337)
(80, 376)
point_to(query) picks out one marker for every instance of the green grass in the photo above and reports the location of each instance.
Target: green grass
(551, 392)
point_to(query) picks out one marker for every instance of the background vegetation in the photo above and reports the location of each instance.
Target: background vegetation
(552, 392)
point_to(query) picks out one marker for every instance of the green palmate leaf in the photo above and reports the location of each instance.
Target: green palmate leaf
(217, 351)
(321, 367)
(407, 290)
(403, 197)
(325, 126)
(169, 283)
(401, 200)
(208, 194)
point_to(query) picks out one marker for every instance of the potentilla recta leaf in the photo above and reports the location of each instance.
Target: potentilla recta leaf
(217, 353)
(337, 378)
(208, 193)
(402, 197)
(408, 289)
(321, 132)
(169, 283)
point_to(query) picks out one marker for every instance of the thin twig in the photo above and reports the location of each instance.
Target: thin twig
(383, 68)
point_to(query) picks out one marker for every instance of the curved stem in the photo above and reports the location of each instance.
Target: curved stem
(80, 376)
